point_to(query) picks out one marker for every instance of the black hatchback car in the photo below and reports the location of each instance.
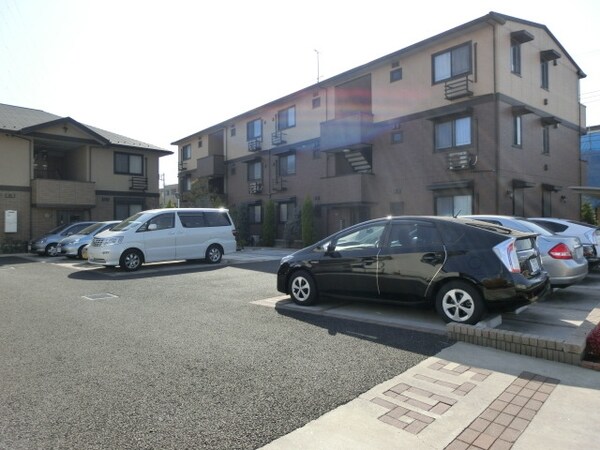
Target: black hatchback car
(460, 265)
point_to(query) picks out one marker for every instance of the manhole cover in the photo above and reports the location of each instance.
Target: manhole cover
(103, 296)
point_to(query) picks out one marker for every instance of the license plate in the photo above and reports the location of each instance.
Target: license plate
(28, 247)
(535, 265)
(579, 252)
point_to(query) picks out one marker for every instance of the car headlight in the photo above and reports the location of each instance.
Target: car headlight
(112, 240)
(285, 259)
(41, 241)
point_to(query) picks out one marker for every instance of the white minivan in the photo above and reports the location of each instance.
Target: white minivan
(165, 235)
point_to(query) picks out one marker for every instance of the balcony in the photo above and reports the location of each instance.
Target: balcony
(458, 88)
(60, 193)
(354, 188)
(210, 166)
(351, 131)
(278, 138)
(138, 184)
(255, 145)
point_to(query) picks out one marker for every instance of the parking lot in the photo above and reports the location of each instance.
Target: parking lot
(198, 355)
(175, 356)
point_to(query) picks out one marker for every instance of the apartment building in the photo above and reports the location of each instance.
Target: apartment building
(56, 170)
(590, 153)
(483, 118)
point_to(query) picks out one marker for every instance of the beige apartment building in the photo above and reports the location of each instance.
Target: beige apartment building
(56, 170)
(483, 118)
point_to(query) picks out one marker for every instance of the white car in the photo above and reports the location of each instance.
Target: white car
(588, 234)
(165, 235)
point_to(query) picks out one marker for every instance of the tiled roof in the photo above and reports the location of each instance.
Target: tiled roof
(16, 118)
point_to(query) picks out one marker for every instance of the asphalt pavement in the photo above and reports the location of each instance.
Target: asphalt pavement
(158, 366)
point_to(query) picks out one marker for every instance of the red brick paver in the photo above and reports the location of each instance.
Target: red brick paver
(505, 419)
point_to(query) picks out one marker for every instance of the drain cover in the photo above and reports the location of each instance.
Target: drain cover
(103, 296)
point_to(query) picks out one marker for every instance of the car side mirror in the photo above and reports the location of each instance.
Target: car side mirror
(152, 227)
(330, 249)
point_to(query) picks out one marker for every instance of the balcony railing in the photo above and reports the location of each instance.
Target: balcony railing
(278, 138)
(55, 193)
(210, 166)
(255, 145)
(458, 88)
(138, 184)
(355, 130)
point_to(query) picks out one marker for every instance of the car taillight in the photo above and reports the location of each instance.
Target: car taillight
(507, 253)
(560, 251)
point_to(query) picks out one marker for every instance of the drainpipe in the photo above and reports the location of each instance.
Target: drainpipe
(496, 118)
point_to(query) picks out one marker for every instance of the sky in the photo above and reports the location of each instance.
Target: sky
(158, 71)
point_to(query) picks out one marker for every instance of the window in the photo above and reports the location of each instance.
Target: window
(363, 238)
(286, 212)
(454, 205)
(396, 75)
(397, 137)
(255, 213)
(254, 129)
(200, 143)
(186, 152)
(546, 203)
(316, 102)
(452, 63)
(545, 75)
(515, 57)
(128, 164)
(162, 221)
(287, 164)
(232, 131)
(203, 219)
(517, 131)
(453, 133)
(127, 207)
(187, 183)
(286, 118)
(546, 140)
(255, 170)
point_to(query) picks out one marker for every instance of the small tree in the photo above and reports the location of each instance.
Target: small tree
(170, 204)
(308, 226)
(241, 220)
(202, 196)
(268, 228)
(587, 214)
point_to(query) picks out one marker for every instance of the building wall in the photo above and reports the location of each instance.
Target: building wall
(407, 176)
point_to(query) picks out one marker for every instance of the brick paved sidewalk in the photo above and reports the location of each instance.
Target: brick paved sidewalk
(467, 397)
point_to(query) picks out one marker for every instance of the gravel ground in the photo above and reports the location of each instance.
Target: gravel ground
(179, 359)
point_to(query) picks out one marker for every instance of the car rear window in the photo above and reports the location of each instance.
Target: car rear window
(552, 226)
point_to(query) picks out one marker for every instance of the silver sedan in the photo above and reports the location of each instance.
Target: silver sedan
(562, 256)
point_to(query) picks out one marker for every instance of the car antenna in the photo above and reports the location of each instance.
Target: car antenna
(457, 214)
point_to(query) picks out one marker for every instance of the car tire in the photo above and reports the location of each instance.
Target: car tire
(302, 288)
(80, 252)
(131, 260)
(51, 250)
(214, 253)
(459, 301)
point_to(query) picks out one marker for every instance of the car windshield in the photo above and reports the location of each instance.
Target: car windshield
(58, 229)
(91, 228)
(130, 222)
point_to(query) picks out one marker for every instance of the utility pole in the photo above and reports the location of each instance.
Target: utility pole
(318, 68)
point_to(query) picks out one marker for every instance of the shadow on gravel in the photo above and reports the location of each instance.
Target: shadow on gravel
(403, 339)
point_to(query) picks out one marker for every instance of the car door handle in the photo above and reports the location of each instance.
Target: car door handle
(432, 258)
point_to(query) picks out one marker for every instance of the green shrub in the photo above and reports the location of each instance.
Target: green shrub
(587, 214)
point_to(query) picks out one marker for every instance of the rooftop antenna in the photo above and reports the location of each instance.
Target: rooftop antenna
(318, 69)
